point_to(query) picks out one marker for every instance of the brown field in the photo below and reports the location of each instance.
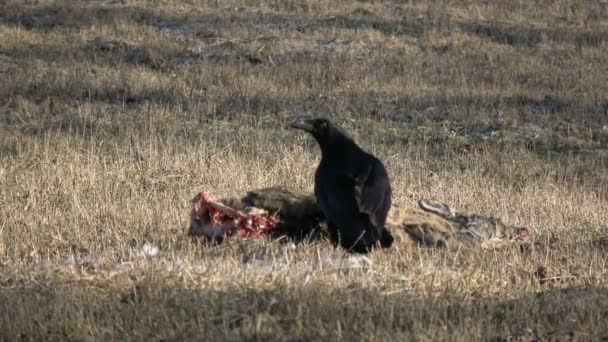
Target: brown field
(114, 114)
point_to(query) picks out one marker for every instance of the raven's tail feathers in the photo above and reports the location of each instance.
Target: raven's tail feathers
(386, 240)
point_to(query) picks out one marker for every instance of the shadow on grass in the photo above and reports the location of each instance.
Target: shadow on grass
(302, 313)
(546, 124)
(526, 36)
(74, 17)
(200, 24)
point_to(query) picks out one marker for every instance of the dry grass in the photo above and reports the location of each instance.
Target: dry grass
(113, 114)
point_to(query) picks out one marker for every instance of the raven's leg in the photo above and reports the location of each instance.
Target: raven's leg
(360, 242)
(353, 243)
(334, 234)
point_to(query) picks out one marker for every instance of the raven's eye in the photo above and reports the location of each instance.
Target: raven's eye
(323, 125)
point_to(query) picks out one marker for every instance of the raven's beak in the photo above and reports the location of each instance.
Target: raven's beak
(303, 124)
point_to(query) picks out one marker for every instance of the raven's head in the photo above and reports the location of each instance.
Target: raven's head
(328, 135)
(321, 129)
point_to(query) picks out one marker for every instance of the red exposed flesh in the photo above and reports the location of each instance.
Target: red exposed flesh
(231, 220)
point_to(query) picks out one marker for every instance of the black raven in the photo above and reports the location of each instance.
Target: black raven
(352, 188)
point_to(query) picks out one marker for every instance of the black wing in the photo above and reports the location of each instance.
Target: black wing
(373, 192)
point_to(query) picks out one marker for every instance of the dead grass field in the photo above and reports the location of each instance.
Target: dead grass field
(113, 114)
